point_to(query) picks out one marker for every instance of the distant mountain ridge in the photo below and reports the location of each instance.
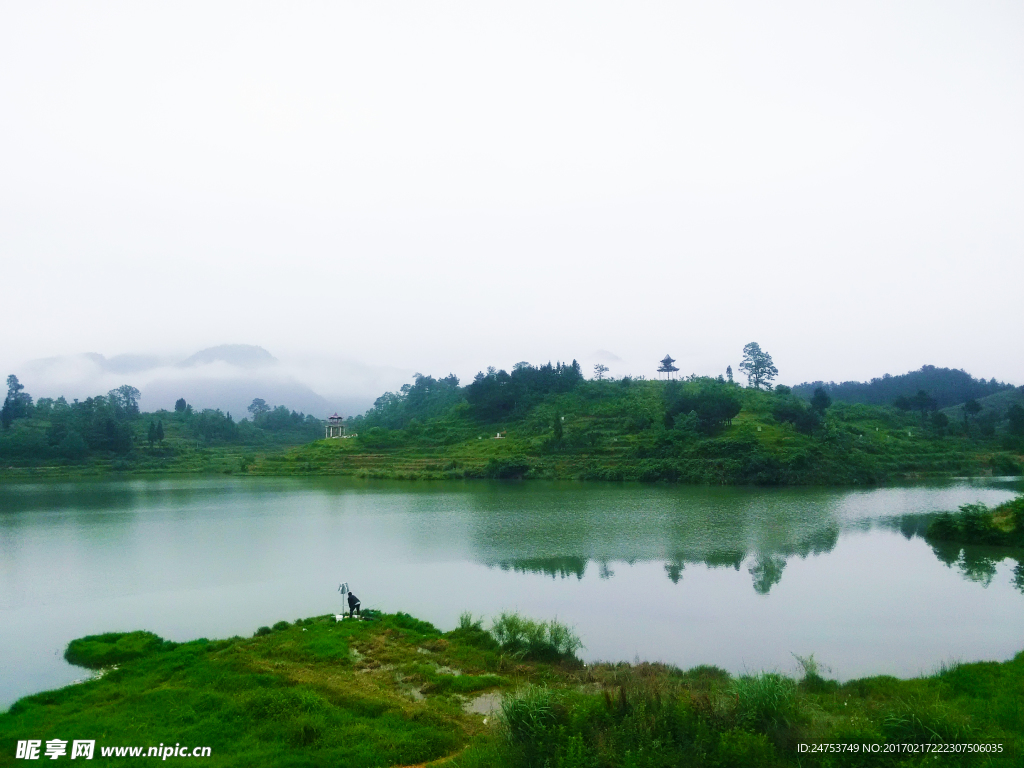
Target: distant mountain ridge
(948, 387)
(226, 377)
(238, 355)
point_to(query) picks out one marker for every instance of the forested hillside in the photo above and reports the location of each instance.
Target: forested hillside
(110, 431)
(946, 386)
(550, 421)
(545, 421)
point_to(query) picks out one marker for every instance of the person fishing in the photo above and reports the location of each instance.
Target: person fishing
(353, 605)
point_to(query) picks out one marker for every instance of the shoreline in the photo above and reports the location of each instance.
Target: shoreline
(300, 692)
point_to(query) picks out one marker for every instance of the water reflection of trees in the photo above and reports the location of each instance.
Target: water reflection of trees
(978, 563)
(765, 564)
(560, 567)
(767, 572)
(975, 563)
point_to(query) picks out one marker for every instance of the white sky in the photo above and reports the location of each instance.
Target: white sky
(442, 186)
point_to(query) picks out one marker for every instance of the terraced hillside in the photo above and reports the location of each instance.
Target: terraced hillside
(697, 431)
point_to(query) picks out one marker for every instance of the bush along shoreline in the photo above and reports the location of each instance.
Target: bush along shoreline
(393, 690)
(977, 524)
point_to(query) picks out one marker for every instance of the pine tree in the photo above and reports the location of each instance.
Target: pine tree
(151, 436)
(757, 365)
(820, 400)
(728, 373)
(17, 405)
(160, 431)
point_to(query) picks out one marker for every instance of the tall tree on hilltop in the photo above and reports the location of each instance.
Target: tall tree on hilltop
(259, 406)
(667, 367)
(758, 367)
(125, 401)
(179, 405)
(17, 404)
(728, 373)
(599, 371)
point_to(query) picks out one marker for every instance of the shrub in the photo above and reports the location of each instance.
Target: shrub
(96, 651)
(944, 527)
(262, 631)
(977, 524)
(472, 632)
(812, 681)
(281, 625)
(528, 713)
(507, 469)
(765, 702)
(537, 640)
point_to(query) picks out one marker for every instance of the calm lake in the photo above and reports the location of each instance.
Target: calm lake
(738, 577)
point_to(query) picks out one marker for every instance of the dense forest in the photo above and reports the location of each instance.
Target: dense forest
(946, 387)
(112, 427)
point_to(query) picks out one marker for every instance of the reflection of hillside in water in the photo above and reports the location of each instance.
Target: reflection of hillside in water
(975, 562)
(562, 567)
(565, 539)
(766, 568)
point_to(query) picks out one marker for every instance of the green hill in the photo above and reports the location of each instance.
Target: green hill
(550, 422)
(535, 421)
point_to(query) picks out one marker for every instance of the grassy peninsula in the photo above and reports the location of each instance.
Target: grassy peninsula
(394, 690)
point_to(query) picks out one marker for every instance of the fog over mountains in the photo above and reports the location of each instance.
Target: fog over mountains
(227, 377)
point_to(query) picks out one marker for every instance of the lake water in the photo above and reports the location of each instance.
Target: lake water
(742, 578)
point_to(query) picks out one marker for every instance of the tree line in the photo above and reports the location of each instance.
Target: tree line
(113, 425)
(946, 386)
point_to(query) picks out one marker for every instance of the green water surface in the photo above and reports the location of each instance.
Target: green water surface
(742, 578)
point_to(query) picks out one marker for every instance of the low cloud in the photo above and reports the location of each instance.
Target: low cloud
(227, 377)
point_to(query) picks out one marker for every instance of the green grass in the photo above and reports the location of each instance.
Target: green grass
(391, 691)
(316, 692)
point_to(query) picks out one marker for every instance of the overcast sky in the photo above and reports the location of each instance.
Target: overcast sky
(441, 186)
